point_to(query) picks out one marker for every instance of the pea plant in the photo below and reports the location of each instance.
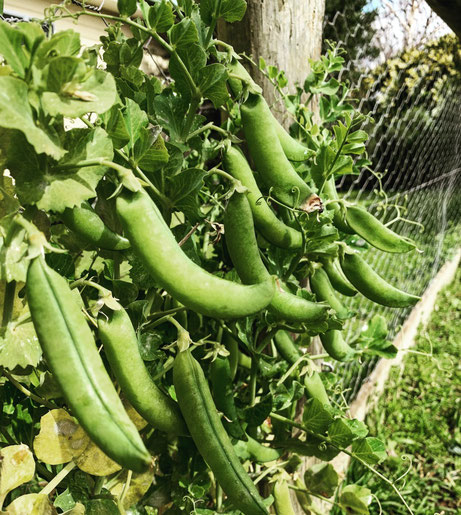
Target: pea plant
(163, 273)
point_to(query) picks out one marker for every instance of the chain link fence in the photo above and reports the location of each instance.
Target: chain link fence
(409, 81)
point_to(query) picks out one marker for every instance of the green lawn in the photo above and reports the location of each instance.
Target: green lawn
(419, 418)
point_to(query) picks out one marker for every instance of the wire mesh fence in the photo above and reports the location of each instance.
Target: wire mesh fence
(409, 81)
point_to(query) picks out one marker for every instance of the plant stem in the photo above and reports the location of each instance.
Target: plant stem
(58, 478)
(8, 303)
(194, 103)
(27, 392)
(209, 125)
(253, 377)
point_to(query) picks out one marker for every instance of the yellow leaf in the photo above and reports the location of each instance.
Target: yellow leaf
(93, 461)
(17, 466)
(135, 417)
(139, 485)
(60, 439)
(32, 504)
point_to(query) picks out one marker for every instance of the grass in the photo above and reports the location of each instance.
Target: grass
(418, 416)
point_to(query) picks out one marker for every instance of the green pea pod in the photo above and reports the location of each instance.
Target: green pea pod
(121, 348)
(337, 278)
(282, 501)
(232, 346)
(372, 285)
(87, 224)
(244, 360)
(321, 286)
(293, 149)
(271, 163)
(72, 356)
(374, 232)
(184, 280)
(265, 220)
(329, 189)
(335, 345)
(303, 499)
(243, 249)
(256, 451)
(223, 395)
(290, 352)
(210, 437)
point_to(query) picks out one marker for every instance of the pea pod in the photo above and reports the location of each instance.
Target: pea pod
(256, 451)
(232, 346)
(271, 163)
(243, 249)
(290, 352)
(332, 341)
(265, 220)
(121, 348)
(372, 285)
(337, 278)
(282, 501)
(329, 189)
(374, 232)
(72, 356)
(184, 280)
(323, 290)
(210, 437)
(87, 224)
(293, 149)
(223, 395)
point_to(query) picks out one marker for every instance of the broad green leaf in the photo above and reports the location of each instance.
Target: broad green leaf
(17, 467)
(212, 83)
(321, 479)
(16, 113)
(65, 184)
(183, 34)
(258, 413)
(63, 43)
(313, 447)
(115, 127)
(135, 119)
(355, 499)
(185, 183)
(194, 58)
(19, 346)
(371, 450)
(64, 501)
(139, 485)
(170, 112)
(342, 166)
(343, 431)
(11, 48)
(126, 7)
(316, 416)
(160, 16)
(156, 157)
(229, 10)
(61, 438)
(96, 94)
(32, 504)
(13, 252)
(321, 168)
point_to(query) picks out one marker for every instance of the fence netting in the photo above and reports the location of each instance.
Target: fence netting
(405, 67)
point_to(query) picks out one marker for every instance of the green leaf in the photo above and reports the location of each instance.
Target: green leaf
(321, 479)
(160, 16)
(194, 58)
(170, 111)
(185, 183)
(373, 340)
(156, 157)
(13, 263)
(355, 499)
(135, 120)
(63, 184)
(316, 416)
(11, 49)
(19, 346)
(16, 113)
(370, 450)
(64, 500)
(258, 413)
(183, 34)
(95, 93)
(343, 431)
(126, 7)
(229, 10)
(212, 83)
(63, 43)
